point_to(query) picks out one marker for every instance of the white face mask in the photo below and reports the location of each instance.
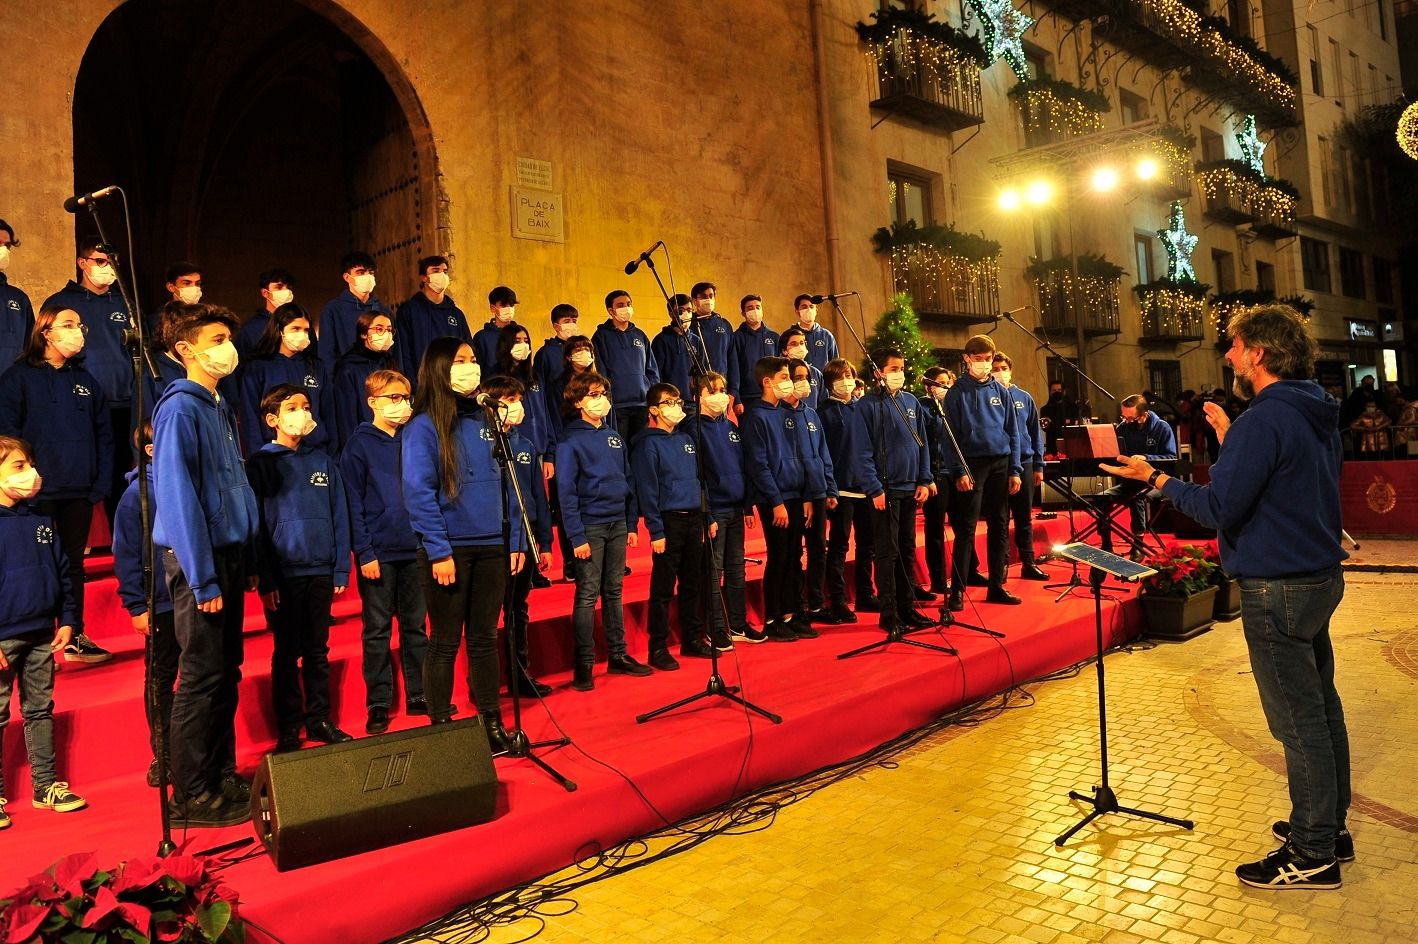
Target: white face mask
(598, 407)
(22, 486)
(379, 342)
(754, 317)
(582, 358)
(674, 415)
(979, 369)
(296, 423)
(784, 388)
(895, 380)
(102, 276)
(683, 319)
(802, 389)
(705, 306)
(67, 341)
(189, 294)
(939, 392)
(465, 378)
(1005, 377)
(521, 351)
(504, 317)
(297, 339)
(566, 330)
(397, 413)
(438, 281)
(218, 361)
(842, 389)
(281, 296)
(4, 258)
(623, 315)
(362, 284)
(807, 315)
(799, 351)
(715, 404)
(514, 414)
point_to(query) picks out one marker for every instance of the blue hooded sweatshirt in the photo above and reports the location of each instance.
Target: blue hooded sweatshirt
(371, 468)
(16, 320)
(624, 358)
(1152, 438)
(1274, 491)
(818, 479)
(821, 345)
(305, 521)
(593, 478)
(63, 415)
(348, 395)
(304, 370)
(35, 590)
(672, 359)
(723, 465)
(716, 337)
(939, 440)
(128, 551)
(853, 462)
(485, 344)
(1031, 434)
(534, 491)
(473, 517)
(105, 356)
(749, 346)
(204, 501)
(169, 369)
(337, 323)
(666, 476)
(775, 466)
(982, 415)
(420, 321)
(549, 362)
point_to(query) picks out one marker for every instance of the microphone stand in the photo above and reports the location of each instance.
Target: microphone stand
(136, 344)
(518, 744)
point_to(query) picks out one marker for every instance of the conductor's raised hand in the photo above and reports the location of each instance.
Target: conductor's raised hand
(1216, 416)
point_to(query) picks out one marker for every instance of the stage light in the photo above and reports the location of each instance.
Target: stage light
(1058, 548)
(1039, 192)
(1009, 200)
(1146, 169)
(1105, 179)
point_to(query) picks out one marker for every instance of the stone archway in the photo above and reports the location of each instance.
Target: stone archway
(253, 134)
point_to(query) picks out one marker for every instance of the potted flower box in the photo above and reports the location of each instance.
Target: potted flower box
(1179, 600)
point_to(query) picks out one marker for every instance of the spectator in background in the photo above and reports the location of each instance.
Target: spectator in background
(1372, 433)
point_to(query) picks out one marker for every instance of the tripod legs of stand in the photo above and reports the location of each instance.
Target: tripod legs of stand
(897, 635)
(1104, 800)
(715, 688)
(522, 747)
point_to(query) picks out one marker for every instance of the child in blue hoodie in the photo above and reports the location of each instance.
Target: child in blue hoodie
(386, 550)
(37, 614)
(623, 353)
(598, 513)
(854, 469)
(374, 349)
(157, 625)
(667, 489)
(453, 490)
(303, 563)
(730, 509)
(50, 399)
(206, 519)
(285, 355)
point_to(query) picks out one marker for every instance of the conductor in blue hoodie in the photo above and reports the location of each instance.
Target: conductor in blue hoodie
(205, 520)
(1274, 500)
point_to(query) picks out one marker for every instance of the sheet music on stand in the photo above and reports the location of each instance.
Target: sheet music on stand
(1105, 561)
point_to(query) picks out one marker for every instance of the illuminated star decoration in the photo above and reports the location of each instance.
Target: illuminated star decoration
(1002, 30)
(1252, 147)
(1179, 245)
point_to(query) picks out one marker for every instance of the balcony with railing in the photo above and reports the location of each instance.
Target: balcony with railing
(924, 70)
(1275, 204)
(1053, 110)
(1092, 297)
(1172, 312)
(952, 277)
(1236, 193)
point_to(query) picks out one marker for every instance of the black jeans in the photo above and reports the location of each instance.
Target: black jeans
(1021, 509)
(166, 655)
(934, 512)
(864, 549)
(848, 516)
(681, 561)
(630, 420)
(815, 537)
(398, 591)
(726, 553)
(464, 610)
(120, 420)
(894, 531)
(72, 518)
(783, 573)
(988, 499)
(203, 730)
(302, 635)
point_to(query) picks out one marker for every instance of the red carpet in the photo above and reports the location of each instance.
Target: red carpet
(689, 761)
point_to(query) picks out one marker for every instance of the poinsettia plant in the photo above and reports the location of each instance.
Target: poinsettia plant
(174, 898)
(1182, 570)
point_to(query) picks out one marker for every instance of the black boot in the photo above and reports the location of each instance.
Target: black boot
(1029, 570)
(583, 680)
(496, 733)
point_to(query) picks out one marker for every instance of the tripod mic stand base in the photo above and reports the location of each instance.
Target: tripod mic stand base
(898, 635)
(714, 689)
(522, 747)
(1104, 800)
(947, 620)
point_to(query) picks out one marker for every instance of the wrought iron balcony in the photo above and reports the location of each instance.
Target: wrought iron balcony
(1063, 302)
(1274, 213)
(946, 288)
(1171, 315)
(922, 78)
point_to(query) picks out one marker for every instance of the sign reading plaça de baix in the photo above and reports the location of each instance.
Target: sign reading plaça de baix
(538, 214)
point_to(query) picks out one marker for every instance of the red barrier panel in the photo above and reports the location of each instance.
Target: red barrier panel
(1380, 497)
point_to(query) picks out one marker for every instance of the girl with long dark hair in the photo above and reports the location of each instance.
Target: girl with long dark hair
(285, 354)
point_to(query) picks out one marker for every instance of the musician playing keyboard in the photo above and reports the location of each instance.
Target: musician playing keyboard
(1140, 433)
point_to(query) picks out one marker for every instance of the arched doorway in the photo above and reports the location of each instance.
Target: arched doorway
(254, 134)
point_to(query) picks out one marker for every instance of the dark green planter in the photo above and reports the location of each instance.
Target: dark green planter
(1228, 601)
(1178, 618)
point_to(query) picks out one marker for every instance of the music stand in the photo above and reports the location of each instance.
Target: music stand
(1102, 563)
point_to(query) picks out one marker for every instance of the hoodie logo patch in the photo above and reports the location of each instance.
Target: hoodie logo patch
(14, 305)
(524, 458)
(310, 381)
(1018, 405)
(320, 479)
(689, 448)
(910, 412)
(486, 434)
(770, 342)
(819, 343)
(995, 401)
(811, 426)
(734, 436)
(43, 535)
(118, 317)
(452, 320)
(614, 442)
(535, 388)
(789, 424)
(636, 342)
(720, 329)
(80, 390)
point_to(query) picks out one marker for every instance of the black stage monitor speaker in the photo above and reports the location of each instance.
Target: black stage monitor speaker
(337, 800)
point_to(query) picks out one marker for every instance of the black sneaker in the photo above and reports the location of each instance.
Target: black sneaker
(626, 665)
(1343, 840)
(416, 706)
(236, 789)
(695, 649)
(1001, 595)
(821, 615)
(288, 741)
(539, 580)
(208, 811)
(83, 649)
(922, 594)
(584, 679)
(779, 631)
(59, 798)
(327, 732)
(662, 660)
(1285, 868)
(977, 579)
(801, 625)
(1031, 571)
(752, 634)
(915, 619)
(378, 720)
(957, 601)
(153, 773)
(867, 605)
(841, 615)
(720, 640)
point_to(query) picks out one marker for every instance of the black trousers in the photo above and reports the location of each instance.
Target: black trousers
(849, 517)
(300, 661)
(815, 537)
(894, 531)
(120, 419)
(464, 610)
(783, 573)
(165, 657)
(72, 518)
(682, 562)
(1021, 510)
(934, 512)
(988, 499)
(203, 748)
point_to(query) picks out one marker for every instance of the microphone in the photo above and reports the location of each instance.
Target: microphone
(72, 204)
(489, 402)
(634, 264)
(1013, 311)
(819, 299)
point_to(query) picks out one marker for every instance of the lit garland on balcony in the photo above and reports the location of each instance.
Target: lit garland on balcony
(1002, 28)
(910, 41)
(1407, 131)
(1224, 305)
(933, 263)
(1171, 309)
(1059, 108)
(1257, 195)
(1098, 295)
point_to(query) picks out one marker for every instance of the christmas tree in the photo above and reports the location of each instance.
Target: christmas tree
(899, 329)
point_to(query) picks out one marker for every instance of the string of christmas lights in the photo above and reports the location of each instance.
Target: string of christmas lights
(1260, 198)
(1172, 312)
(965, 283)
(1098, 297)
(1048, 113)
(908, 55)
